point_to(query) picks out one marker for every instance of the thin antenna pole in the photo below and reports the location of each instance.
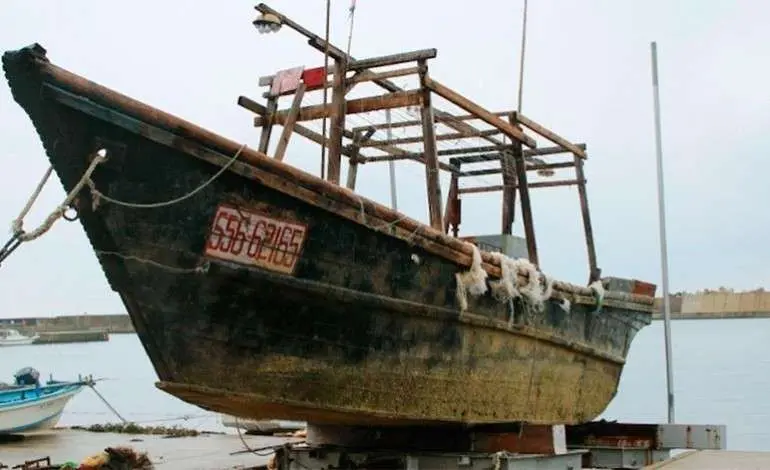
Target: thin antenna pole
(391, 167)
(663, 247)
(521, 59)
(326, 88)
(352, 11)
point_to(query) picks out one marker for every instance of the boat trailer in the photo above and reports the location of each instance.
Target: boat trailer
(595, 445)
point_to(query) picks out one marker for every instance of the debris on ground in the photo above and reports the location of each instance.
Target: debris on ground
(131, 428)
(112, 458)
(117, 458)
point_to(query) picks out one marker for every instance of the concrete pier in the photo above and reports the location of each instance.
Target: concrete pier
(83, 336)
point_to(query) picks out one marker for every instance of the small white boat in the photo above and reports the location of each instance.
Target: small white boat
(262, 426)
(28, 406)
(11, 337)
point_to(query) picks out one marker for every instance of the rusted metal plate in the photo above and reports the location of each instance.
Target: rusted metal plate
(251, 238)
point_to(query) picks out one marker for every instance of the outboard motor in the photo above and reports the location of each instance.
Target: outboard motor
(27, 376)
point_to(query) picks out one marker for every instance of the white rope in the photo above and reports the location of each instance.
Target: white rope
(16, 225)
(154, 205)
(59, 211)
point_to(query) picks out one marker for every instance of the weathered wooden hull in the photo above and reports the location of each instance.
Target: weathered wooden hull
(343, 324)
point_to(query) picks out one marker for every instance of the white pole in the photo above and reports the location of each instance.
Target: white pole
(663, 248)
(391, 167)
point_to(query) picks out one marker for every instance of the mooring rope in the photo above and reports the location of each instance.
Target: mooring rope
(154, 205)
(18, 223)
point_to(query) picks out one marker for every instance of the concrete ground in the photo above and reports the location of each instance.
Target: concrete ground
(208, 451)
(716, 460)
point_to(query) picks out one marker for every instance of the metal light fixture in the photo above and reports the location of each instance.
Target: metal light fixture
(267, 23)
(542, 172)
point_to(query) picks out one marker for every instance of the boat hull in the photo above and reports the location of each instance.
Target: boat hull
(36, 415)
(352, 322)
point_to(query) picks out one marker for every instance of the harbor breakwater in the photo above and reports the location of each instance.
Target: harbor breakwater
(111, 324)
(722, 303)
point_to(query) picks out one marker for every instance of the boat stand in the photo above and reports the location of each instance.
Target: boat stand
(596, 445)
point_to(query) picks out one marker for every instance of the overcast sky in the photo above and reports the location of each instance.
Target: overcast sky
(587, 76)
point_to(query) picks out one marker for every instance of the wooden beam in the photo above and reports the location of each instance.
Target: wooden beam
(361, 76)
(374, 62)
(594, 273)
(369, 76)
(361, 105)
(291, 120)
(437, 118)
(471, 107)
(393, 59)
(442, 137)
(548, 134)
(496, 149)
(530, 167)
(267, 124)
(337, 123)
(319, 44)
(251, 105)
(501, 187)
(431, 157)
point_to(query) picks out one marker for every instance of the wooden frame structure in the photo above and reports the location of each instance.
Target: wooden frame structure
(506, 137)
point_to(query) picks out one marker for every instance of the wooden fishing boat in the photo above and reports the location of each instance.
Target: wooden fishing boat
(261, 291)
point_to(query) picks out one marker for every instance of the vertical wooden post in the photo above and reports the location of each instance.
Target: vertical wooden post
(288, 125)
(452, 209)
(508, 168)
(526, 207)
(337, 122)
(267, 124)
(595, 273)
(430, 151)
(359, 138)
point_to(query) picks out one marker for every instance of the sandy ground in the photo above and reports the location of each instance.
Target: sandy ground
(201, 452)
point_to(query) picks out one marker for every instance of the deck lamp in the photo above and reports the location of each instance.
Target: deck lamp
(267, 23)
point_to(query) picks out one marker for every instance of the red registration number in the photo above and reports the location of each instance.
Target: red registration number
(251, 238)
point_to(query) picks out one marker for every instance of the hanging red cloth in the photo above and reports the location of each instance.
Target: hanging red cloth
(313, 78)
